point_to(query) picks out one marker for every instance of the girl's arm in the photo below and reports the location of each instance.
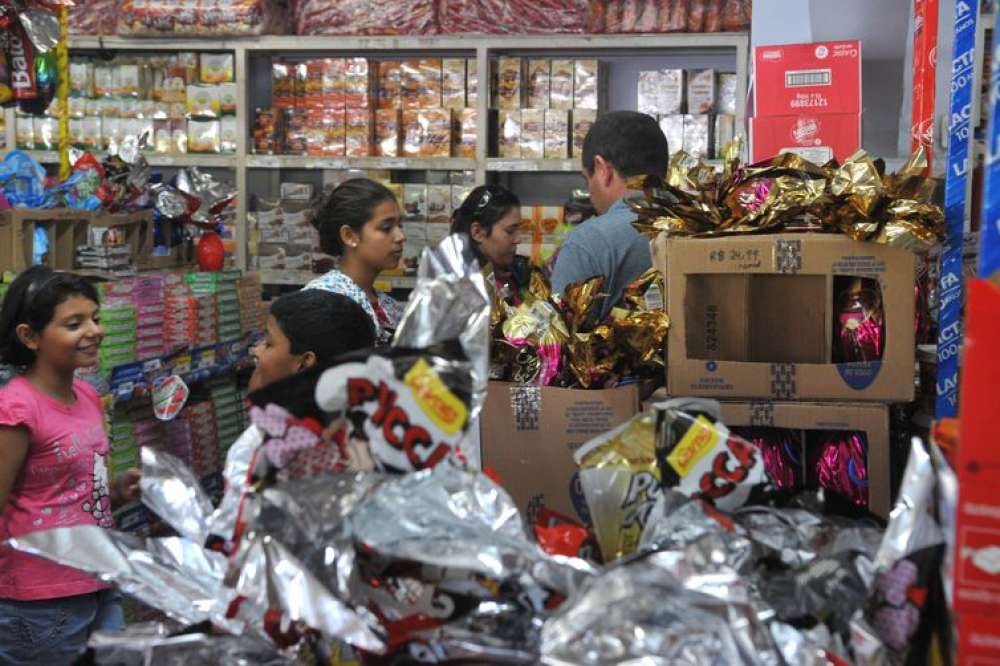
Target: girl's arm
(13, 451)
(125, 488)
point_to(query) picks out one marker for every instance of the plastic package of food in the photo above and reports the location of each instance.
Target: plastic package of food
(268, 132)
(583, 120)
(226, 93)
(229, 133)
(727, 93)
(532, 134)
(45, 133)
(201, 17)
(585, 84)
(453, 83)
(358, 132)
(216, 68)
(513, 16)
(204, 136)
(387, 132)
(24, 132)
(510, 89)
(725, 132)
(561, 85)
(429, 95)
(412, 84)
(282, 84)
(697, 134)
(93, 17)
(468, 127)
(556, 134)
(203, 101)
(390, 84)
(539, 80)
(472, 82)
(672, 127)
(364, 17)
(509, 140)
(701, 91)
(358, 83)
(648, 92)
(427, 133)
(326, 132)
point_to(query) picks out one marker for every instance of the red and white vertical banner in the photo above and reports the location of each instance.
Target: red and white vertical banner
(925, 29)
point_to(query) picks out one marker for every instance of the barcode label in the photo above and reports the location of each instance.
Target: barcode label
(810, 77)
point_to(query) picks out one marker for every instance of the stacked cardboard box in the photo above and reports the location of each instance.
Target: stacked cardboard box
(807, 100)
(696, 109)
(118, 318)
(230, 414)
(151, 314)
(250, 290)
(757, 320)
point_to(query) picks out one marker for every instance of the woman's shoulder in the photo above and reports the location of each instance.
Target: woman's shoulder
(336, 282)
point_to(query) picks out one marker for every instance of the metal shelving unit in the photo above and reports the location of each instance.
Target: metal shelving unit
(249, 52)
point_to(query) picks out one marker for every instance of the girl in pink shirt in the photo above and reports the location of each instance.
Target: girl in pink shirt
(53, 467)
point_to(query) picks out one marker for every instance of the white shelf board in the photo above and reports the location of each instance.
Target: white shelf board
(154, 159)
(516, 165)
(340, 163)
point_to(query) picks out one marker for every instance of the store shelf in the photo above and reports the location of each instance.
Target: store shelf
(157, 160)
(501, 164)
(286, 43)
(340, 163)
(301, 278)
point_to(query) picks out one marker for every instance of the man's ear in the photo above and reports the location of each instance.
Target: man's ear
(604, 171)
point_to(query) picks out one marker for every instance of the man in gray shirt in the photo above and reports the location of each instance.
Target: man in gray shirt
(620, 144)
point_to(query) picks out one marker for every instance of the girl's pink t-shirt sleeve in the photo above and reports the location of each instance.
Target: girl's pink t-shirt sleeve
(15, 410)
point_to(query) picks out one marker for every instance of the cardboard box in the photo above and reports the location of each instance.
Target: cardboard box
(818, 138)
(529, 435)
(754, 317)
(701, 91)
(816, 418)
(824, 77)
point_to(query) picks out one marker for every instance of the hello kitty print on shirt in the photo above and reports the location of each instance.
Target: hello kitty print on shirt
(99, 503)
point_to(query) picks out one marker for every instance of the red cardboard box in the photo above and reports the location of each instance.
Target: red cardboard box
(977, 528)
(816, 137)
(794, 79)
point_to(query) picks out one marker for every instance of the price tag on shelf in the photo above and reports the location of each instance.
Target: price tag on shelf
(164, 160)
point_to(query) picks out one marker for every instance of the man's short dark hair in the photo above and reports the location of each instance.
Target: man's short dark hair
(632, 142)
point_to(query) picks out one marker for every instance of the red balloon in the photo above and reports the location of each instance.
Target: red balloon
(210, 252)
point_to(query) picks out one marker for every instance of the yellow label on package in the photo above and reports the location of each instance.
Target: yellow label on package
(435, 399)
(696, 443)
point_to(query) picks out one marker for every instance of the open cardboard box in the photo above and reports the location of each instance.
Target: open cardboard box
(755, 317)
(812, 419)
(530, 433)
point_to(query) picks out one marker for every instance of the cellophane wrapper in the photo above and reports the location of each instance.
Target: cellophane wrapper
(94, 17)
(513, 16)
(616, 16)
(202, 18)
(364, 17)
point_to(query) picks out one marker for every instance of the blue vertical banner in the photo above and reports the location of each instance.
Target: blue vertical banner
(963, 65)
(989, 233)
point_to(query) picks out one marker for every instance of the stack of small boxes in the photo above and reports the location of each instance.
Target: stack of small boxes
(250, 289)
(124, 445)
(151, 314)
(204, 439)
(118, 318)
(220, 293)
(546, 107)
(709, 99)
(230, 413)
(427, 210)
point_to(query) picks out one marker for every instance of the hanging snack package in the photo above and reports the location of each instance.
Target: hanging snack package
(621, 481)
(699, 457)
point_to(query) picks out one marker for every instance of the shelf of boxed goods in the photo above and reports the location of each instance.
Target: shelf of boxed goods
(155, 159)
(506, 165)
